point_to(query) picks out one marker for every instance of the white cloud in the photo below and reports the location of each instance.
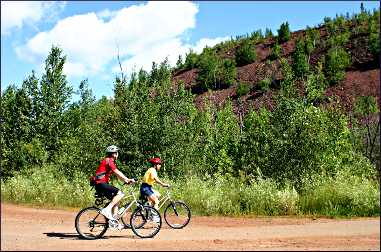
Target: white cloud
(15, 14)
(144, 33)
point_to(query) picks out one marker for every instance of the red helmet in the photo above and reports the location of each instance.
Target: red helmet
(155, 160)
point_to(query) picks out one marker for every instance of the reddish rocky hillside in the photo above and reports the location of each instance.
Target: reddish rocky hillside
(362, 77)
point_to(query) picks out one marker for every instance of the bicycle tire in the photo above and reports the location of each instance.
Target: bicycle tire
(89, 219)
(149, 227)
(177, 214)
(126, 218)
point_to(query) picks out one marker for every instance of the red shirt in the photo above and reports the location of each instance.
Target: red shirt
(105, 169)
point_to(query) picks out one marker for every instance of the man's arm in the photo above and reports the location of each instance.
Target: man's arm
(122, 177)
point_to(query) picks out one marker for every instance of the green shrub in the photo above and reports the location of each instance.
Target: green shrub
(191, 60)
(275, 52)
(342, 195)
(374, 44)
(284, 33)
(245, 53)
(228, 72)
(264, 84)
(242, 89)
(300, 64)
(213, 71)
(336, 61)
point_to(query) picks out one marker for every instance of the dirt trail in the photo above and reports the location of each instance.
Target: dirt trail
(25, 228)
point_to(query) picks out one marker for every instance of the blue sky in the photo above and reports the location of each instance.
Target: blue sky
(90, 32)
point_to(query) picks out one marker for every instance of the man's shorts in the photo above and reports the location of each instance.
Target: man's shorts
(107, 190)
(146, 190)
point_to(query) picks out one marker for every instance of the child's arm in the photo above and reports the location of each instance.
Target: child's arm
(160, 182)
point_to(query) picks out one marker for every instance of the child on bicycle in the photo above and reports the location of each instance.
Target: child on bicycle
(149, 179)
(102, 177)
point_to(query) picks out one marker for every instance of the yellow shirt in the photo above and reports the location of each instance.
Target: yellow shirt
(149, 176)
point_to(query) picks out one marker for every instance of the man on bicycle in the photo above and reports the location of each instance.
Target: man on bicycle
(102, 186)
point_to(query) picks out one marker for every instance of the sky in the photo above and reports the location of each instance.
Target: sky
(93, 33)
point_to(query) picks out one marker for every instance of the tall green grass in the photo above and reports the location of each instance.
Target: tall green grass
(342, 195)
(46, 186)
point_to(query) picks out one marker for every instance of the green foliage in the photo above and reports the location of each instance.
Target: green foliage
(264, 84)
(366, 105)
(258, 164)
(341, 195)
(336, 61)
(55, 94)
(284, 33)
(374, 44)
(316, 85)
(242, 89)
(287, 84)
(245, 53)
(209, 66)
(16, 111)
(214, 72)
(179, 62)
(366, 128)
(275, 52)
(268, 33)
(228, 72)
(191, 60)
(300, 64)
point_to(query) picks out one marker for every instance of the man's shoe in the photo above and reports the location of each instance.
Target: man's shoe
(115, 225)
(107, 214)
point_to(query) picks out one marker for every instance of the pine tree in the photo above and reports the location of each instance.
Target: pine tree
(284, 33)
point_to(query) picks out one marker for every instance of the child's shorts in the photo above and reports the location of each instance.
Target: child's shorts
(146, 190)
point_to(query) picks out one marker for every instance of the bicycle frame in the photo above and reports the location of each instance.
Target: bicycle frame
(162, 200)
(165, 199)
(127, 206)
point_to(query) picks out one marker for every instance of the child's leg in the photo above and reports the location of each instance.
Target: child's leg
(155, 201)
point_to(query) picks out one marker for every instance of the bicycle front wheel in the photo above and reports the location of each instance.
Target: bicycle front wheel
(126, 217)
(90, 224)
(145, 221)
(177, 214)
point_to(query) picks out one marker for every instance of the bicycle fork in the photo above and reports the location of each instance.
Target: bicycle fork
(174, 208)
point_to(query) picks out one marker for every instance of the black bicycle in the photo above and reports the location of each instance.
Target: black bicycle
(145, 221)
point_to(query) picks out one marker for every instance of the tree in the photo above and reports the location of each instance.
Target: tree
(209, 66)
(275, 51)
(245, 54)
(268, 33)
(311, 40)
(300, 62)
(365, 108)
(336, 61)
(287, 84)
(179, 63)
(16, 129)
(55, 94)
(191, 60)
(284, 33)
(316, 85)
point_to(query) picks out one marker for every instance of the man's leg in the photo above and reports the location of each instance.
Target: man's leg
(112, 207)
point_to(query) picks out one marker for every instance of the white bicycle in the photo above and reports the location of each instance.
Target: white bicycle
(145, 221)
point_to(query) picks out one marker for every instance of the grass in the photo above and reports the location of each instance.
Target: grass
(341, 196)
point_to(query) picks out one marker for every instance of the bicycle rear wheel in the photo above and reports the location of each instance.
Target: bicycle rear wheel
(177, 214)
(90, 224)
(145, 221)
